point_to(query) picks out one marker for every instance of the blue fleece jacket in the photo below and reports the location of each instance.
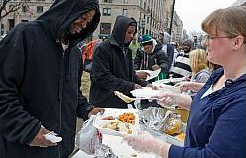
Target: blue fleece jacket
(216, 126)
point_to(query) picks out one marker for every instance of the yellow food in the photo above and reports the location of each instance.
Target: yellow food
(112, 126)
(175, 128)
(181, 136)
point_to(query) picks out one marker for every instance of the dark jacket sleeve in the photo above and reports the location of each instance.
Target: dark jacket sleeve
(84, 107)
(16, 124)
(102, 74)
(163, 61)
(138, 60)
(170, 53)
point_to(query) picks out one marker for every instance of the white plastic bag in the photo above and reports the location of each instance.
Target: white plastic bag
(89, 137)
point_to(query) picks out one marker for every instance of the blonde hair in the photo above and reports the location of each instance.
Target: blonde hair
(231, 21)
(198, 60)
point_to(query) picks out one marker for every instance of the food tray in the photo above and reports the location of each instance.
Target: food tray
(100, 124)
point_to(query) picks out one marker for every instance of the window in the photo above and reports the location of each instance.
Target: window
(107, 1)
(24, 20)
(106, 11)
(40, 9)
(11, 23)
(105, 28)
(124, 12)
(24, 9)
(125, 1)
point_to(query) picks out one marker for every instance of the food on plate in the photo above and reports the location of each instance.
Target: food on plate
(108, 118)
(157, 87)
(181, 136)
(127, 117)
(128, 129)
(123, 97)
(119, 126)
(112, 125)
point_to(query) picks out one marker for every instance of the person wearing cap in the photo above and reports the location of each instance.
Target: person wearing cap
(151, 56)
(181, 67)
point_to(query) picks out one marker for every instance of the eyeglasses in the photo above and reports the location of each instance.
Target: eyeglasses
(208, 37)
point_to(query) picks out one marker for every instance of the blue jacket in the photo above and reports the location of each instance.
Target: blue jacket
(39, 82)
(216, 126)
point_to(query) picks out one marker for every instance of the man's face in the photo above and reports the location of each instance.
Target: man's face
(129, 34)
(148, 48)
(186, 47)
(81, 22)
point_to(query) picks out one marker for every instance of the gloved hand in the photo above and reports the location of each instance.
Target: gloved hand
(186, 85)
(167, 99)
(171, 99)
(147, 143)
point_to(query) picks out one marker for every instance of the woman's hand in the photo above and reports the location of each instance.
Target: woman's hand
(168, 99)
(186, 85)
(147, 143)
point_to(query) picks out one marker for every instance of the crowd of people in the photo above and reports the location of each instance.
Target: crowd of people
(41, 68)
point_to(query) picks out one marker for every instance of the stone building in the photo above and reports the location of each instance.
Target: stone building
(151, 16)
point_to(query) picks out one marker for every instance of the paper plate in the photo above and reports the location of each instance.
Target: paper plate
(145, 92)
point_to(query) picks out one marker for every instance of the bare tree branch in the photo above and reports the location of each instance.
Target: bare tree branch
(7, 7)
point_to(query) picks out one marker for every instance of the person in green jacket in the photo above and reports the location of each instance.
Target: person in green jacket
(134, 47)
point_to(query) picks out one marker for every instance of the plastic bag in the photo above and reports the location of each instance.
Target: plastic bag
(89, 137)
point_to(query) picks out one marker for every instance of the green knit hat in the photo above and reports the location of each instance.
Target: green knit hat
(146, 40)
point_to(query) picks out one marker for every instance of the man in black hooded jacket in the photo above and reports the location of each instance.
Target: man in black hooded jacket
(40, 71)
(112, 66)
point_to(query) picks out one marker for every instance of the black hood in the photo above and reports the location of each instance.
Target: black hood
(120, 27)
(63, 12)
(158, 46)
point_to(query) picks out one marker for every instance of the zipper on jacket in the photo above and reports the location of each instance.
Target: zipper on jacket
(61, 79)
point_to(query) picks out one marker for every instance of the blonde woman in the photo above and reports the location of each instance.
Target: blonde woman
(199, 67)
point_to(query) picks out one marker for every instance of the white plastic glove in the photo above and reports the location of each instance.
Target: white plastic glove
(186, 85)
(147, 143)
(167, 99)
(171, 99)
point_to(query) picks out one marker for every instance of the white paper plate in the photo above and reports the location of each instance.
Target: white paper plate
(145, 92)
(166, 88)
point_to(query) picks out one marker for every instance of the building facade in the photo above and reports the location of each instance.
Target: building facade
(176, 27)
(151, 16)
(239, 3)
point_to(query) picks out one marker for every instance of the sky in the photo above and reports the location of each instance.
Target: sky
(192, 12)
